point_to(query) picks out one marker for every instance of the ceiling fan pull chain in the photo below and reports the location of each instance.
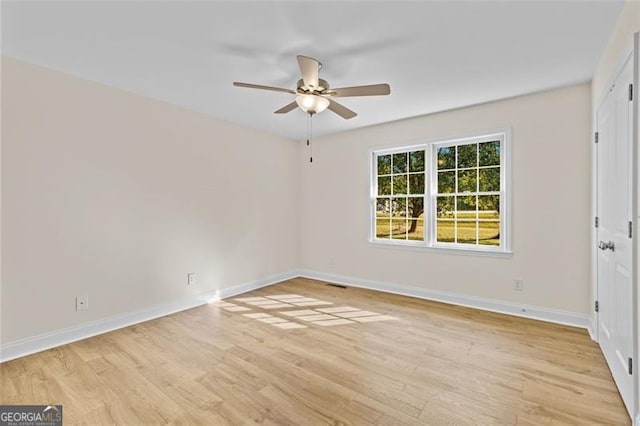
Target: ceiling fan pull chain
(308, 131)
(310, 136)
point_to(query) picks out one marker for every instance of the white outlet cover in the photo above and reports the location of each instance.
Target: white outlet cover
(191, 278)
(82, 303)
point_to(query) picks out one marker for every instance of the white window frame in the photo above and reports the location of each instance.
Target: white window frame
(430, 244)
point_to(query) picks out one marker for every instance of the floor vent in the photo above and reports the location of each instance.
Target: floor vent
(337, 285)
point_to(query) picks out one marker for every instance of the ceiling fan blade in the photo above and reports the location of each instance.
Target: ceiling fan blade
(289, 107)
(309, 68)
(341, 110)
(370, 90)
(258, 86)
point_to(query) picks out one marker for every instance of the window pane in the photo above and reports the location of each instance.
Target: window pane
(384, 185)
(466, 219)
(416, 230)
(416, 161)
(467, 180)
(383, 228)
(445, 207)
(466, 231)
(416, 183)
(400, 163)
(489, 215)
(489, 233)
(445, 231)
(466, 207)
(383, 207)
(446, 182)
(445, 225)
(446, 158)
(490, 153)
(399, 207)
(384, 164)
(399, 229)
(415, 207)
(489, 179)
(467, 156)
(489, 207)
(400, 184)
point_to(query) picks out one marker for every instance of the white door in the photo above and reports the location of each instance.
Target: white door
(615, 292)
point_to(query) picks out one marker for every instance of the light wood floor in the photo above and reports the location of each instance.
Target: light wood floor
(436, 364)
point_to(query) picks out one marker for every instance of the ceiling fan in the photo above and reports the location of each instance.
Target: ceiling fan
(313, 94)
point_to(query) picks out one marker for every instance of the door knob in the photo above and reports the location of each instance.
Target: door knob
(608, 245)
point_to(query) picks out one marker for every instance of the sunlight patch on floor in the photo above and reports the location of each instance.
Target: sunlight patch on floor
(292, 319)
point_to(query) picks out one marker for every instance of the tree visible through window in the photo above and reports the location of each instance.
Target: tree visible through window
(444, 194)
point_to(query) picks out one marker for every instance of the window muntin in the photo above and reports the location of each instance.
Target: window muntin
(449, 194)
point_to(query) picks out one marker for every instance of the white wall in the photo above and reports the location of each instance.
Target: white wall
(118, 197)
(550, 210)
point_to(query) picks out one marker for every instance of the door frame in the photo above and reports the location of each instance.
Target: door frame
(632, 54)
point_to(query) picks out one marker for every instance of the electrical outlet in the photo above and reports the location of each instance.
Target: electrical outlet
(82, 303)
(191, 278)
(518, 285)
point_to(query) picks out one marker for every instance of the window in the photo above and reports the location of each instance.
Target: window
(449, 194)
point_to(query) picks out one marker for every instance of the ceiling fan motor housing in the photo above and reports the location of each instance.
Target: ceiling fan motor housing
(323, 85)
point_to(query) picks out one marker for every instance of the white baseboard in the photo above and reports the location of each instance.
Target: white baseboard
(527, 311)
(254, 285)
(31, 345)
(592, 329)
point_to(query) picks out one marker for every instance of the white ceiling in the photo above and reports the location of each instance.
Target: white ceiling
(435, 55)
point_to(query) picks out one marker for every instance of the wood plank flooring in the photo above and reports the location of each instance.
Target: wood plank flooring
(433, 364)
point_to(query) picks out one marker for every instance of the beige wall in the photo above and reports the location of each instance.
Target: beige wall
(118, 197)
(551, 199)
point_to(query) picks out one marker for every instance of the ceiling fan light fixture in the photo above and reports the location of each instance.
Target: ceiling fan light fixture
(312, 104)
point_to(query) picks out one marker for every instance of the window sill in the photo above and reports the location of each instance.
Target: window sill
(419, 247)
